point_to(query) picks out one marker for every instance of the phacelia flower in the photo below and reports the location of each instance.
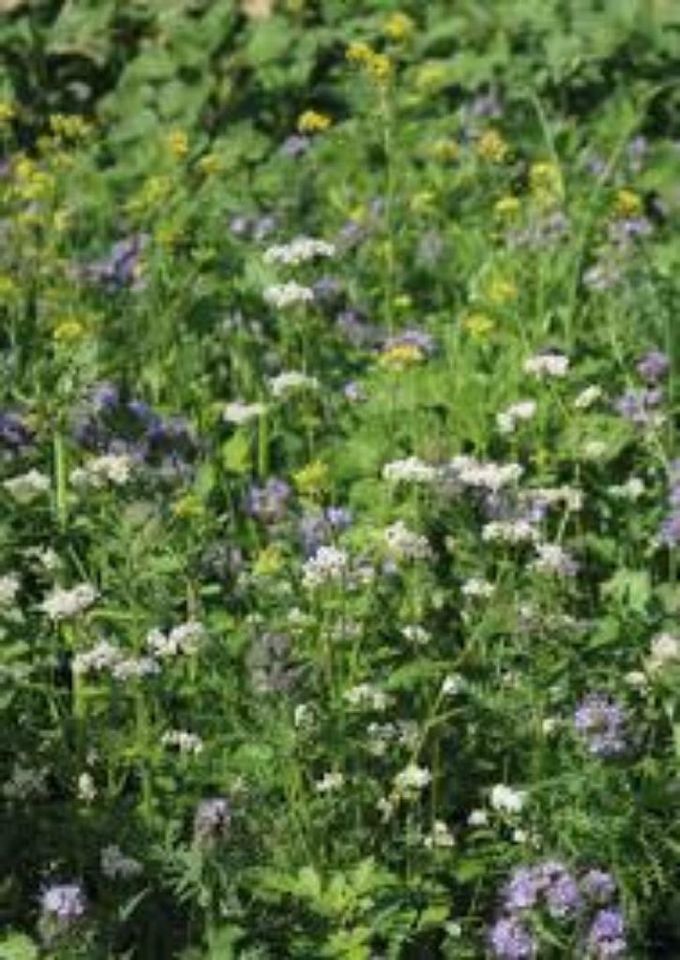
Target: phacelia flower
(212, 820)
(601, 723)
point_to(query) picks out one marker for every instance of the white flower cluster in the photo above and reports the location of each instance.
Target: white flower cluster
(290, 381)
(116, 866)
(328, 565)
(440, 837)
(411, 780)
(239, 413)
(283, 295)
(99, 472)
(631, 490)
(504, 799)
(27, 486)
(588, 397)
(405, 544)
(453, 684)
(366, 696)
(25, 782)
(476, 588)
(383, 735)
(183, 640)
(105, 658)
(299, 250)
(569, 497)
(414, 633)
(329, 783)
(520, 412)
(481, 475)
(410, 470)
(544, 365)
(509, 531)
(9, 587)
(665, 650)
(554, 559)
(62, 604)
(182, 740)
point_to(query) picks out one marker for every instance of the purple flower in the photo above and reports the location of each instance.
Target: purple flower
(607, 935)
(598, 886)
(326, 290)
(295, 146)
(15, 436)
(120, 268)
(212, 820)
(601, 723)
(269, 503)
(622, 232)
(411, 338)
(510, 940)
(638, 405)
(670, 530)
(653, 366)
(563, 896)
(522, 890)
(63, 903)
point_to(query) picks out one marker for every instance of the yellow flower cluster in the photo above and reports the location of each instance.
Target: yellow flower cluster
(69, 126)
(545, 180)
(177, 143)
(313, 122)
(154, 191)
(627, 204)
(501, 291)
(377, 66)
(68, 331)
(399, 27)
(32, 183)
(493, 147)
(507, 207)
(7, 112)
(312, 479)
(401, 356)
(209, 164)
(478, 325)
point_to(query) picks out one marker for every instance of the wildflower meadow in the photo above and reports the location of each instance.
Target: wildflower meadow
(340, 480)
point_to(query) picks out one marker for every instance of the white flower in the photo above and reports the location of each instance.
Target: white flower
(98, 472)
(61, 604)
(135, 668)
(404, 544)
(553, 559)
(183, 640)
(291, 380)
(412, 779)
(631, 490)
(299, 250)
(637, 679)
(520, 412)
(304, 716)
(665, 649)
(410, 470)
(115, 865)
(547, 365)
(549, 725)
(27, 486)
(328, 565)
(9, 587)
(416, 634)
(477, 588)
(453, 685)
(329, 782)
(283, 295)
(440, 837)
(505, 799)
(87, 792)
(509, 531)
(478, 818)
(588, 397)
(569, 497)
(183, 741)
(482, 475)
(594, 449)
(102, 657)
(367, 696)
(520, 836)
(240, 413)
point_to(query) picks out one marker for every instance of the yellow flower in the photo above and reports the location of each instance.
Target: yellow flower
(545, 180)
(177, 143)
(154, 191)
(312, 479)
(478, 325)
(268, 561)
(209, 164)
(359, 52)
(68, 330)
(379, 68)
(69, 127)
(188, 507)
(501, 291)
(507, 206)
(445, 151)
(399, 27)
(401, 356)
(311, 121)
(491, 146)
(7, 112)
(628, 204)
